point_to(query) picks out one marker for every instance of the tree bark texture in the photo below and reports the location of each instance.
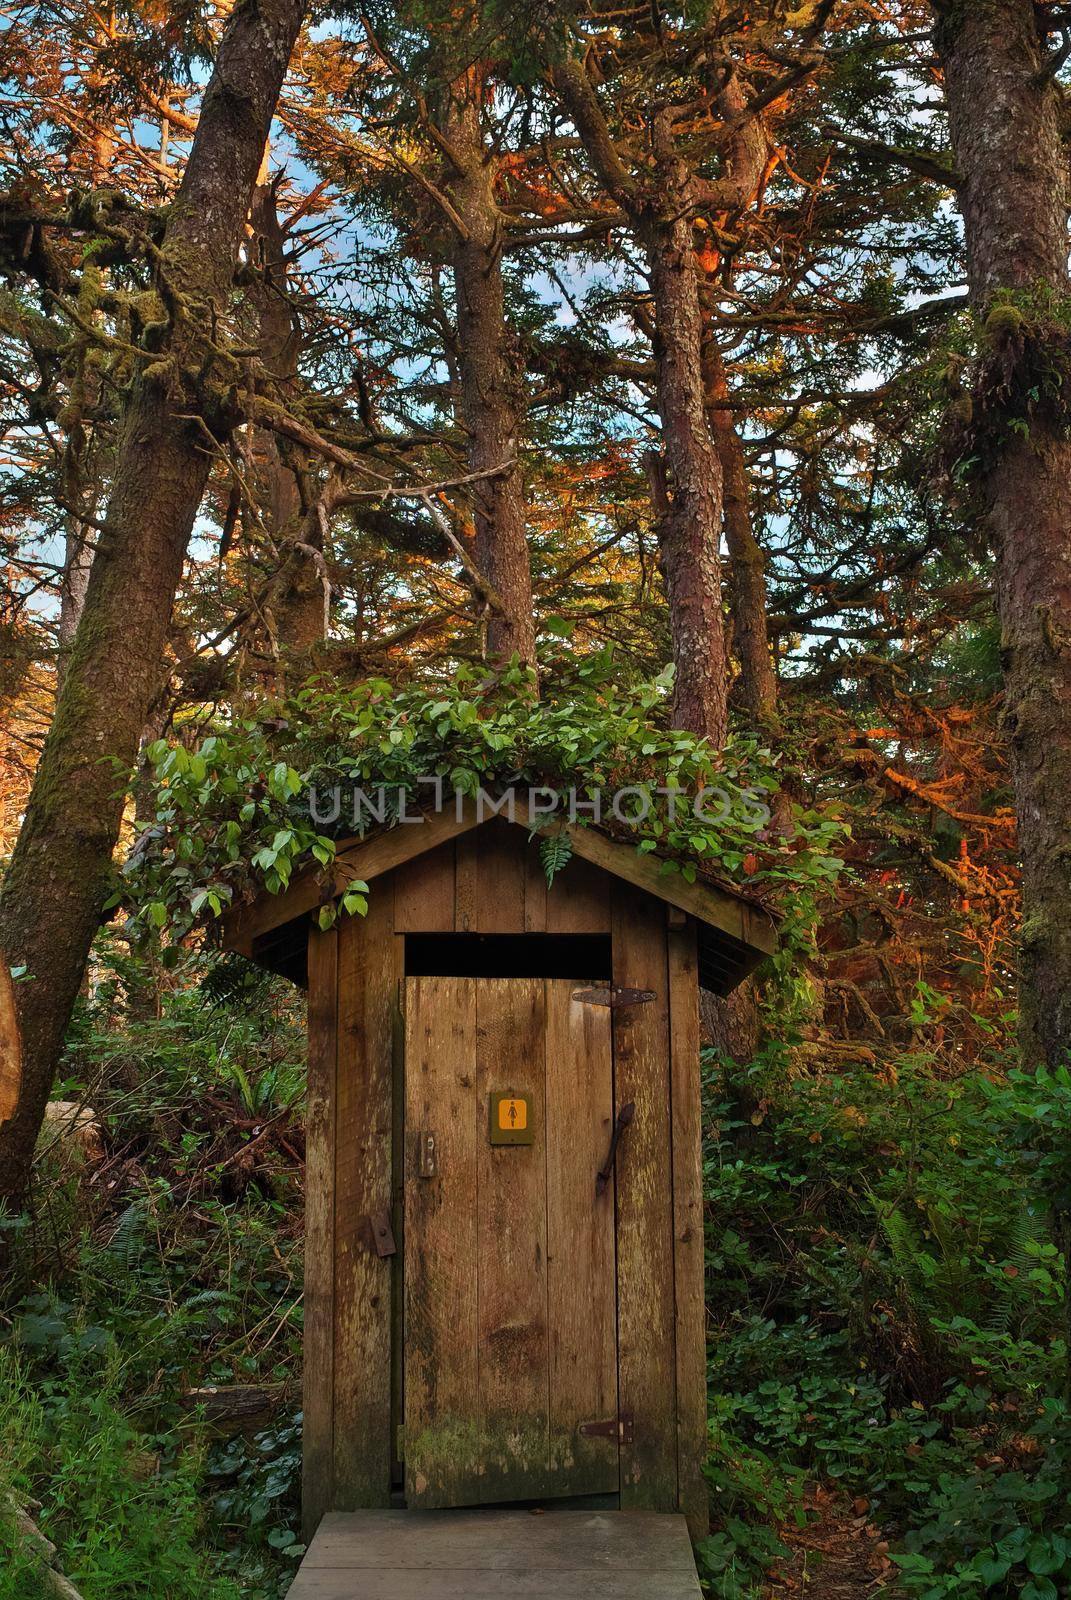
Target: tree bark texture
(662, 204)
(747, 561)
(1005, 115)
(491, 379)
(77, 560)
(689, 526)
(300, 598)
(60, 869)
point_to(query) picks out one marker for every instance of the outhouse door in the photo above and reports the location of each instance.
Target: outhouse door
(510, 1387)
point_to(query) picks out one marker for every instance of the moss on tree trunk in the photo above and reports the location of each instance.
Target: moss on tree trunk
(59, 873)
(1005, 114)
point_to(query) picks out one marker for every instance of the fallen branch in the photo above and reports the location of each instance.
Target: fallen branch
(30, 1534)
(237, 1408)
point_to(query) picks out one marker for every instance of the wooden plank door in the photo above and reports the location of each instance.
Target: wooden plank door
(510, 1314)
(582, 1288)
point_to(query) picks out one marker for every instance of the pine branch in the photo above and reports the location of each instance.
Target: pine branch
(896, 155)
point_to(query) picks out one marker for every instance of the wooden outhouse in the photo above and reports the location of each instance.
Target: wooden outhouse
(504, 1221)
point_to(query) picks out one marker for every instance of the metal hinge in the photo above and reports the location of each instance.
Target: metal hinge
(622, 1428)
(614, 997)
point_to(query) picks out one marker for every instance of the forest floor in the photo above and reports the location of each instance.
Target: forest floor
(839, 1555)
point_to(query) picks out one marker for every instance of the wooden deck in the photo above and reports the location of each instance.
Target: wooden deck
(484, 1555)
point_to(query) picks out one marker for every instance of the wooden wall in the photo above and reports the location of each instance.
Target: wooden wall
(490, 880)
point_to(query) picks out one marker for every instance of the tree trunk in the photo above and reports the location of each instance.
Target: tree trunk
(491, 372)
(1005, 113)
(747, 562)
(60, 869)
(689, 524)
(686, 482)
(300, 604)
(77, 560)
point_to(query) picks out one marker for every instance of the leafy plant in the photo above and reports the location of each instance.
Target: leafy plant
(555, 852)
(122, 1507)
(237, 812)
(885, 1275)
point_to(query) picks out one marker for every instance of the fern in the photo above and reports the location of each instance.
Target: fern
(555, 850)
(954, 1276)
(232, 980)
(127, 1243)
(1025, 1232)
(941, 1268)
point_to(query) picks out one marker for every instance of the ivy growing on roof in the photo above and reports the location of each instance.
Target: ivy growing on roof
(233, 813)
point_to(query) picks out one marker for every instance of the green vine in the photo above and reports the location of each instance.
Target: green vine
(232, 814)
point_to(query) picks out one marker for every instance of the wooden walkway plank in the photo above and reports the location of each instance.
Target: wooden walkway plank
(476, 1555)
(491, 1584)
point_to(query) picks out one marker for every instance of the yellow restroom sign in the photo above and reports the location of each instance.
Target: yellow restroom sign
(511, 1118)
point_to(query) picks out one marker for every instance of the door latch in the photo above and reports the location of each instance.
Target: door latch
(614, 997)
(383, 1235)
(427, 1155)
(622, 1124)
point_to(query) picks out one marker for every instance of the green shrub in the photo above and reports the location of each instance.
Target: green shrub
(122, 1507)
(132, 1292)
(886, 1283)
(751, 1497)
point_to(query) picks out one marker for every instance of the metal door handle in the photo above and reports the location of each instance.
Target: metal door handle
(624, 1121)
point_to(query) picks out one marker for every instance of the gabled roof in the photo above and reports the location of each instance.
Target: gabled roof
(736, 933)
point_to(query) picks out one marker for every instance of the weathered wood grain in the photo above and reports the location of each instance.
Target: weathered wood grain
(582, 1293)
(441, 1328)
(577, 1583)
(424, 892)
(467, 1541)
(466, 855)
(245, 923)
(499, 1555)
(362, 1338)
(645, 1286)
(717, 907)
(688, 1244)
(452, 1538)
(511, 1246)
(578, 901)
(398, 1174)
(319, 1312)
(500, 878)
(368, 858)
(535, 887)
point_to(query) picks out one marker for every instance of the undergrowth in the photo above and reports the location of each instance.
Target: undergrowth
(888, 1302)
(171, 1265)
(885, 1288)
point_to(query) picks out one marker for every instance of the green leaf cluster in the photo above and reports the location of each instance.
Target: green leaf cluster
(886, 1270)
(232, 813)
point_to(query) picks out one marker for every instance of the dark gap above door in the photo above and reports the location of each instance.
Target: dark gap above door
(508, 955)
